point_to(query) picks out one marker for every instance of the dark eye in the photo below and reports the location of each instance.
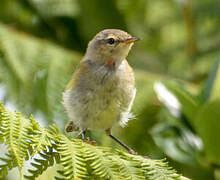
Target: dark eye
(111, 40)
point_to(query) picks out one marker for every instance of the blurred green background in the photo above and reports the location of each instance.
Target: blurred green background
(176, 66)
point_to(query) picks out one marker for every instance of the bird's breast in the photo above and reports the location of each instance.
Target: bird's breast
(100, 96)
(107, 85)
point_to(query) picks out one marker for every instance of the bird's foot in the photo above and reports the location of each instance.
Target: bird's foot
(131, 151)
(90, 142)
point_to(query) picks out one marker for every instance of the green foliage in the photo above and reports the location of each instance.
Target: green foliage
(42, 41)
(48, 8)
(78, 159)
(188, 102)
(47, 159)
(175, 138)
(207, 125)
(8, 164)
(31, 65)
(199, 121)
(72, 157)
(15, 133)
(212, 86)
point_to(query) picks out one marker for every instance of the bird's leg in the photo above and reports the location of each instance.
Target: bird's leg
(87, 139)
(84, 135)
(131, 151)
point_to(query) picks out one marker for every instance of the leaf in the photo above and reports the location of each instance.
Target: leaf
(188, 103)
(41, 140)
(29, 65)
(48, 8)
(212, 86)
(102, 166)
(145, 92)
(207, 124)
(7, 164)
(15, 131)
(47, 158)
(161, 169)
(79, 160)
(91, 20)
(72, 158)
(175, 139)
(127, 169)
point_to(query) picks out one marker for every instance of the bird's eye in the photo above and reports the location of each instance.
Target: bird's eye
(111, 41)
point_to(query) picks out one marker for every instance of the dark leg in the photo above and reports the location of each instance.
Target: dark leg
(87, 139)
(84, 135)
(131, 151)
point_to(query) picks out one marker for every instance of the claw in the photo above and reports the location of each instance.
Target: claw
(131, 151)
(90, 142)
(93, 143)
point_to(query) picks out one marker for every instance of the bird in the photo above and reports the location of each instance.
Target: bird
(102, 89)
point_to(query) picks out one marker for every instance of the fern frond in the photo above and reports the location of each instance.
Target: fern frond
(128, 170)
(40, 140)
(24, 137)
(158, 169)
(71, 157)
(99, 161)
(8, 164)
(15, 132)
(47, 159)
(154, 169)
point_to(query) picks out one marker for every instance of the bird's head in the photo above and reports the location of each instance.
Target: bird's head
(110, 44)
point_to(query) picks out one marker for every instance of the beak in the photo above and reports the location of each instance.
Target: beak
(130, 40)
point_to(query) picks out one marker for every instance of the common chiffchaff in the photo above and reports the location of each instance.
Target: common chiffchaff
(102, 89)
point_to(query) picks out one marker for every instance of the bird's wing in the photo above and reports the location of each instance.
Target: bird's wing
(127, 115)
(81, 70)
(130, 94)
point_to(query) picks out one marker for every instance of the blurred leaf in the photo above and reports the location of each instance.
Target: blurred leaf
(53, 8)
(16, 13)
(217, 174)
(216, 83)
(212, 86)
(35, 71)
(98, 15)
(188, 102)
(145, 93)
(175, 139)
(207, 124)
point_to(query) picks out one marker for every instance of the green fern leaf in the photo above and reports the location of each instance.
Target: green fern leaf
(79, 160)
(14, 130)
(100, 163)
(155, 169)
(47, 159)
(40, 139)
(71, 157)
(8, 164)
(129, 170)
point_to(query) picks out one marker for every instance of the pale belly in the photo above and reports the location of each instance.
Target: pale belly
(97, 109)
(102, 118)
(100, 101)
